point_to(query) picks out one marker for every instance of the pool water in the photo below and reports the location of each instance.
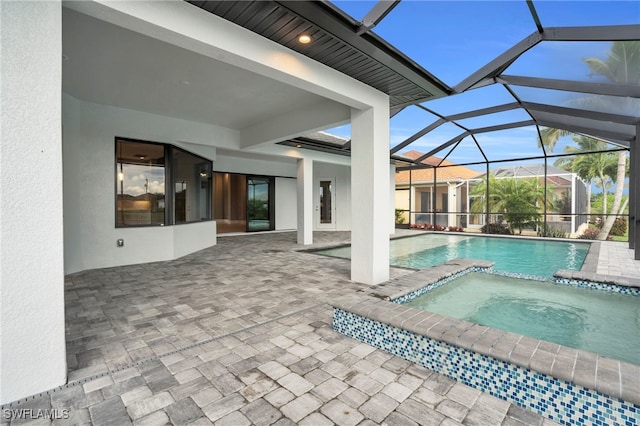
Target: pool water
(592, 320)
(530, 257)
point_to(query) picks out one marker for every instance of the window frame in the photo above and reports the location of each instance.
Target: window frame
(169, 189)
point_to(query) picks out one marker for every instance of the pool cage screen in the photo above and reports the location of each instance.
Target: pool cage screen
(547, 196)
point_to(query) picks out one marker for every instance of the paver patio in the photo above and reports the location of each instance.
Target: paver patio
(236, 334)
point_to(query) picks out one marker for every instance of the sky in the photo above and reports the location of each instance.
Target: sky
(452, 39)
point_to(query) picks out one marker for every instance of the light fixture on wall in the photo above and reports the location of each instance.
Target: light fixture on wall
(203, 173)
(304, 38)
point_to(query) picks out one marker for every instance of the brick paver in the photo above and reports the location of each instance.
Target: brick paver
(240, 333)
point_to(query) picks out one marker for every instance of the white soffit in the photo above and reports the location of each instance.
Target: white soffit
(110, 65)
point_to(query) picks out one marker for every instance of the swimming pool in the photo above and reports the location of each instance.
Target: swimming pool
(597, 321)
(521, 256)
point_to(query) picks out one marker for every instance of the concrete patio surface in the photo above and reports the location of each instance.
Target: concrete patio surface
(240, 334)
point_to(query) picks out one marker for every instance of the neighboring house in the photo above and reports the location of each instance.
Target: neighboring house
(448, 205)
(570, 194)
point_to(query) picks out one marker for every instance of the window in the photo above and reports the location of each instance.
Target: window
(144, 197)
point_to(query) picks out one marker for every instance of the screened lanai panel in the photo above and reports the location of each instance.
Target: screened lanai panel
(574, 142)
(603, 129)
(521, 142)
(407, 123)
(356, 9)
(484, 97)
(466, 153)
(511, 116)
(570, 13)
(563, 60)
(437, 34)
(600, 103)
(436, 138)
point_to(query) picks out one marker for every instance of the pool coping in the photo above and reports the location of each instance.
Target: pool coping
(615, 378)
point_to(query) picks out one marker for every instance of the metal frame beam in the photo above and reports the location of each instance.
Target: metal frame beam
(443, 146)
(625, 90)
(376, 14)
(474, 132)
(534, 15)
(483, 111)
(592, 33)
(418, 135)
(613, 137)
(499, 64)
(581, 113)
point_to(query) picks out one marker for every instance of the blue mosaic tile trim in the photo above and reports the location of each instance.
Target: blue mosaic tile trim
(633, 291)
(555, 399)
(518, 275)
(419, 292)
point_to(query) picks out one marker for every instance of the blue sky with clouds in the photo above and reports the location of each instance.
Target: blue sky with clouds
(452, 39)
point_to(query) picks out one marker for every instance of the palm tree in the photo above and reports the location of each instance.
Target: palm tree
(589, 162)
(621, 66)
(550, 136)
(516, 199)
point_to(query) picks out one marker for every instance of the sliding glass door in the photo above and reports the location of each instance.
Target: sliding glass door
(243, 203)
(259, 205)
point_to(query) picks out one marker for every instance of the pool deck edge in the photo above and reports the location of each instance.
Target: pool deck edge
(617, 379)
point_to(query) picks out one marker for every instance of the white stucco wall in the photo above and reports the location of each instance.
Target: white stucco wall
(272, 167)
(342, 175)
(286, 203)
(89, 132)
(32, 343)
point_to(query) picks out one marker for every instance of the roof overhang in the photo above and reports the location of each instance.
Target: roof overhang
(338, 42)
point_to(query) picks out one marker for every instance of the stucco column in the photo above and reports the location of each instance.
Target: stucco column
(305, 200)
(634, 200)
(370, 195)
(392, 197)
(574, 196)
(32, 341)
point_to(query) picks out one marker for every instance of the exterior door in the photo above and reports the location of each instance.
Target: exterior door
(259, 203)
(326, 204)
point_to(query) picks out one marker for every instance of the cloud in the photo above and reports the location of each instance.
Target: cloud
(135, 185)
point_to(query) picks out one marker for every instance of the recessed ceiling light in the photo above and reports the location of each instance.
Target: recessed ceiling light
(185, 82)
(304, 38)
(298, 146)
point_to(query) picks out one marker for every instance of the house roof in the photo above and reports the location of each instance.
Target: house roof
(447, 171)
(555, 175)
(528, 170)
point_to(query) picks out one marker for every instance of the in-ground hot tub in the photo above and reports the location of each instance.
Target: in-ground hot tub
(567, 385)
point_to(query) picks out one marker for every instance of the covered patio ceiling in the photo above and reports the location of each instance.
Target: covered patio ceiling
(512, 97)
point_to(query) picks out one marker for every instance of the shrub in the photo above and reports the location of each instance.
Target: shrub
(590, 234)
(551, 232)
(496, 228)
(400, 216)
(619, 227)
(430, 227)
